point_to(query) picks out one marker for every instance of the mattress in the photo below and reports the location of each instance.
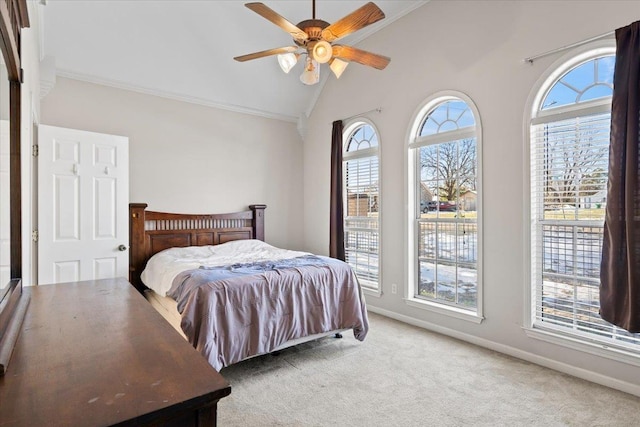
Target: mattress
(167, 307)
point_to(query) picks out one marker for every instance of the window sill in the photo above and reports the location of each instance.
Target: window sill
(591, 347)
(445, 310)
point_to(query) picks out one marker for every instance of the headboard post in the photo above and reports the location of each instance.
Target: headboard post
(258, 221)
(137, 253)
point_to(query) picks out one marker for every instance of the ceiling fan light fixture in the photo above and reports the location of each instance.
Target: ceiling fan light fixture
(315, 37)
(311, 73)
(338, 66)
(322, 51)
(287, 61)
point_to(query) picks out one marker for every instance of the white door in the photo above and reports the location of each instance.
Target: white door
(83, 194)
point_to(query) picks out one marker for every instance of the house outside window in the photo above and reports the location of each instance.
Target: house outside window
(361, 170)
(569, 148)
(444, 224)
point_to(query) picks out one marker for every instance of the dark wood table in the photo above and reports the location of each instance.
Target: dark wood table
(96, 353)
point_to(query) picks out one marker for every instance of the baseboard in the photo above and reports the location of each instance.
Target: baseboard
(511, 351)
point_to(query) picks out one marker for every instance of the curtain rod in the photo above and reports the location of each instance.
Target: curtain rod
(570, 46)
(379, 110)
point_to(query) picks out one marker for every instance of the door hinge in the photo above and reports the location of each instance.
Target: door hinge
(34, 235)
(35, 150)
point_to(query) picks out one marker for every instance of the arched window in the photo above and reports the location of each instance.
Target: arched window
(444, 225)
(362, 202)
(569, 149)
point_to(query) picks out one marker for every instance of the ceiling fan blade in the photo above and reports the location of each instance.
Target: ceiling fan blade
(281, 22)
(356, 20)
(361, 56)
(264, 53)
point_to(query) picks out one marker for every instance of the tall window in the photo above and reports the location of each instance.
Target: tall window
(362, 200)
(569, 167)
(444, 153)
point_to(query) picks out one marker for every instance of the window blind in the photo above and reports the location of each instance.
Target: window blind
(361, 220)
(569, 159)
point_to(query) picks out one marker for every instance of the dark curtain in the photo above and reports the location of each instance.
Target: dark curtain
(336, 220)
(620, 269)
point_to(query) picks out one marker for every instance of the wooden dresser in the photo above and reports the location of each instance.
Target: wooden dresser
(96, 353)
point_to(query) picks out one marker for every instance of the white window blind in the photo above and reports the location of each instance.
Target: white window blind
(361, 224)
(569, 159)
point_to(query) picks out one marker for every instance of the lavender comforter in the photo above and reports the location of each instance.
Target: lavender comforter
(234, 312)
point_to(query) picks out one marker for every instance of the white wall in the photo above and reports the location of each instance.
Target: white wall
(476, 47)
(190, 158)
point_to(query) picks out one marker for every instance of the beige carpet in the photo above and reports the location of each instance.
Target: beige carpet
(406, 376)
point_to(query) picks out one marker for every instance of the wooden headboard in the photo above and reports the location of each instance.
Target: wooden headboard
(151, 232)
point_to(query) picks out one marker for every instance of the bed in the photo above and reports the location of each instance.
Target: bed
(230, 294)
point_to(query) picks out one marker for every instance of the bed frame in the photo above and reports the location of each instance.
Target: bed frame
(151, 232)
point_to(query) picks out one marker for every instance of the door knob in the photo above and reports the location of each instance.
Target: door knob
(122, 248)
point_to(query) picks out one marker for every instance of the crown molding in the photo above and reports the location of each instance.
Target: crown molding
(174, 96)
(353, 40)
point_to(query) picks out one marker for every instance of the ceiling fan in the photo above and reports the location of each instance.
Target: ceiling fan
(315, 37)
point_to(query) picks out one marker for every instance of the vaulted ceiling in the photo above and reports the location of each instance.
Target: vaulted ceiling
(184, 49)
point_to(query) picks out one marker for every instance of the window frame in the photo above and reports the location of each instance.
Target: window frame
(534, 116)
(349, 128)
(414, 142)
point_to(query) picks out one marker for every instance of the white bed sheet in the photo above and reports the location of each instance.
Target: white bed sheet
(164, 266)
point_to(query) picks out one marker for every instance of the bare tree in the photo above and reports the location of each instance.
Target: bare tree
(450, 166)
(575, 163)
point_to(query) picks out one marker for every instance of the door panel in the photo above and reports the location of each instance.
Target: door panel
(106, 206)
(66, 203)
(64, 271)
(105, 267)
(83, 195)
